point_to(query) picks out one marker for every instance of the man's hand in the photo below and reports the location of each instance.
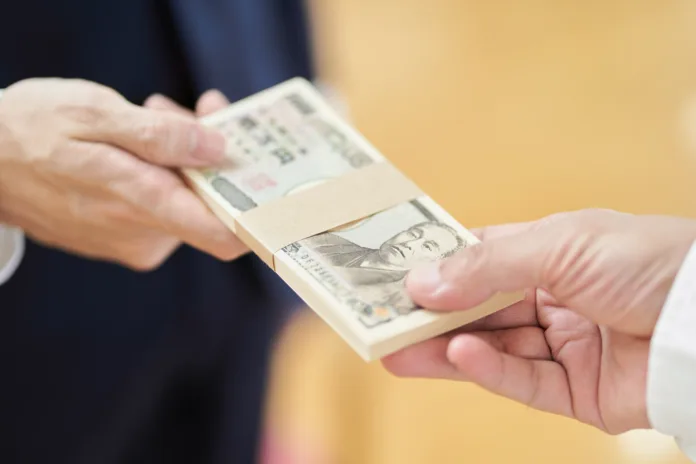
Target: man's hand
(84, 170)
(578, 344)
(210, 102)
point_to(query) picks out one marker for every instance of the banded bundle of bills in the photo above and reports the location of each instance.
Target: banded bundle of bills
(287, 141)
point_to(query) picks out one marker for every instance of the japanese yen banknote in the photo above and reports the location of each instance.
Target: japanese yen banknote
(288, 139)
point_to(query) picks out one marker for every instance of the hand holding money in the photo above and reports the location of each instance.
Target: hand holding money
(578, 345)
(338, 222)
(84, 170)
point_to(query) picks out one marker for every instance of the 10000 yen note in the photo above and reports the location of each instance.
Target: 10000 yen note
(288, 139)
(361, 269)
(281, 141)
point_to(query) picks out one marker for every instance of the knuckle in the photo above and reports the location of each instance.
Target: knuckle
(231, 252)
(88, 112)
(468, 261)
(566, 258)
(154, 192)
(593, 219)
(148, 256)
(145, 265)
(589, 216)
(75, 204)
(92, 104)
(95, 94)
(152, 134)
(120, 212)
(30, 84)
(475, 256)
(90, 163)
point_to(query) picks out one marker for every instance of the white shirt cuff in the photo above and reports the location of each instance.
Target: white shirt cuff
(11, 251)
(11, 248)
(671, 387)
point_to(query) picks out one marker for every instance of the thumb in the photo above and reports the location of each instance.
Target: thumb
(507, 264)
(160, 137)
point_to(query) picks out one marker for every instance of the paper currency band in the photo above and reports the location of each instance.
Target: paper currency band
(359, 194)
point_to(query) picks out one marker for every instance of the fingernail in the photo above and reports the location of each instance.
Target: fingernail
(425, 280)
(207, 145)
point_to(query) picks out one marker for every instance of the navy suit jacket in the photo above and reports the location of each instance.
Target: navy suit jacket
(107, 365)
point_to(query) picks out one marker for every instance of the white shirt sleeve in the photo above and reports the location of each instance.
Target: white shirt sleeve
(11, 248)
(671, 387)
(11, 251)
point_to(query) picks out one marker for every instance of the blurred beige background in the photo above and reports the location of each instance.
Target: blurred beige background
(502, 110)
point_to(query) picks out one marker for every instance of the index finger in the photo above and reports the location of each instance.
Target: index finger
(165, 138)
(170, 203)
(186, 215)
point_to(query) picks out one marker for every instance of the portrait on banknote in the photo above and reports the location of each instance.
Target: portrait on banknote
(369, 261)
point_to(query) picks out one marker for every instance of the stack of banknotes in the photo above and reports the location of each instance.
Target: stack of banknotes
(288, 139)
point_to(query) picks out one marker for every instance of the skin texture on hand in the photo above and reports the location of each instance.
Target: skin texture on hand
(84, 170)
(578, 344)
